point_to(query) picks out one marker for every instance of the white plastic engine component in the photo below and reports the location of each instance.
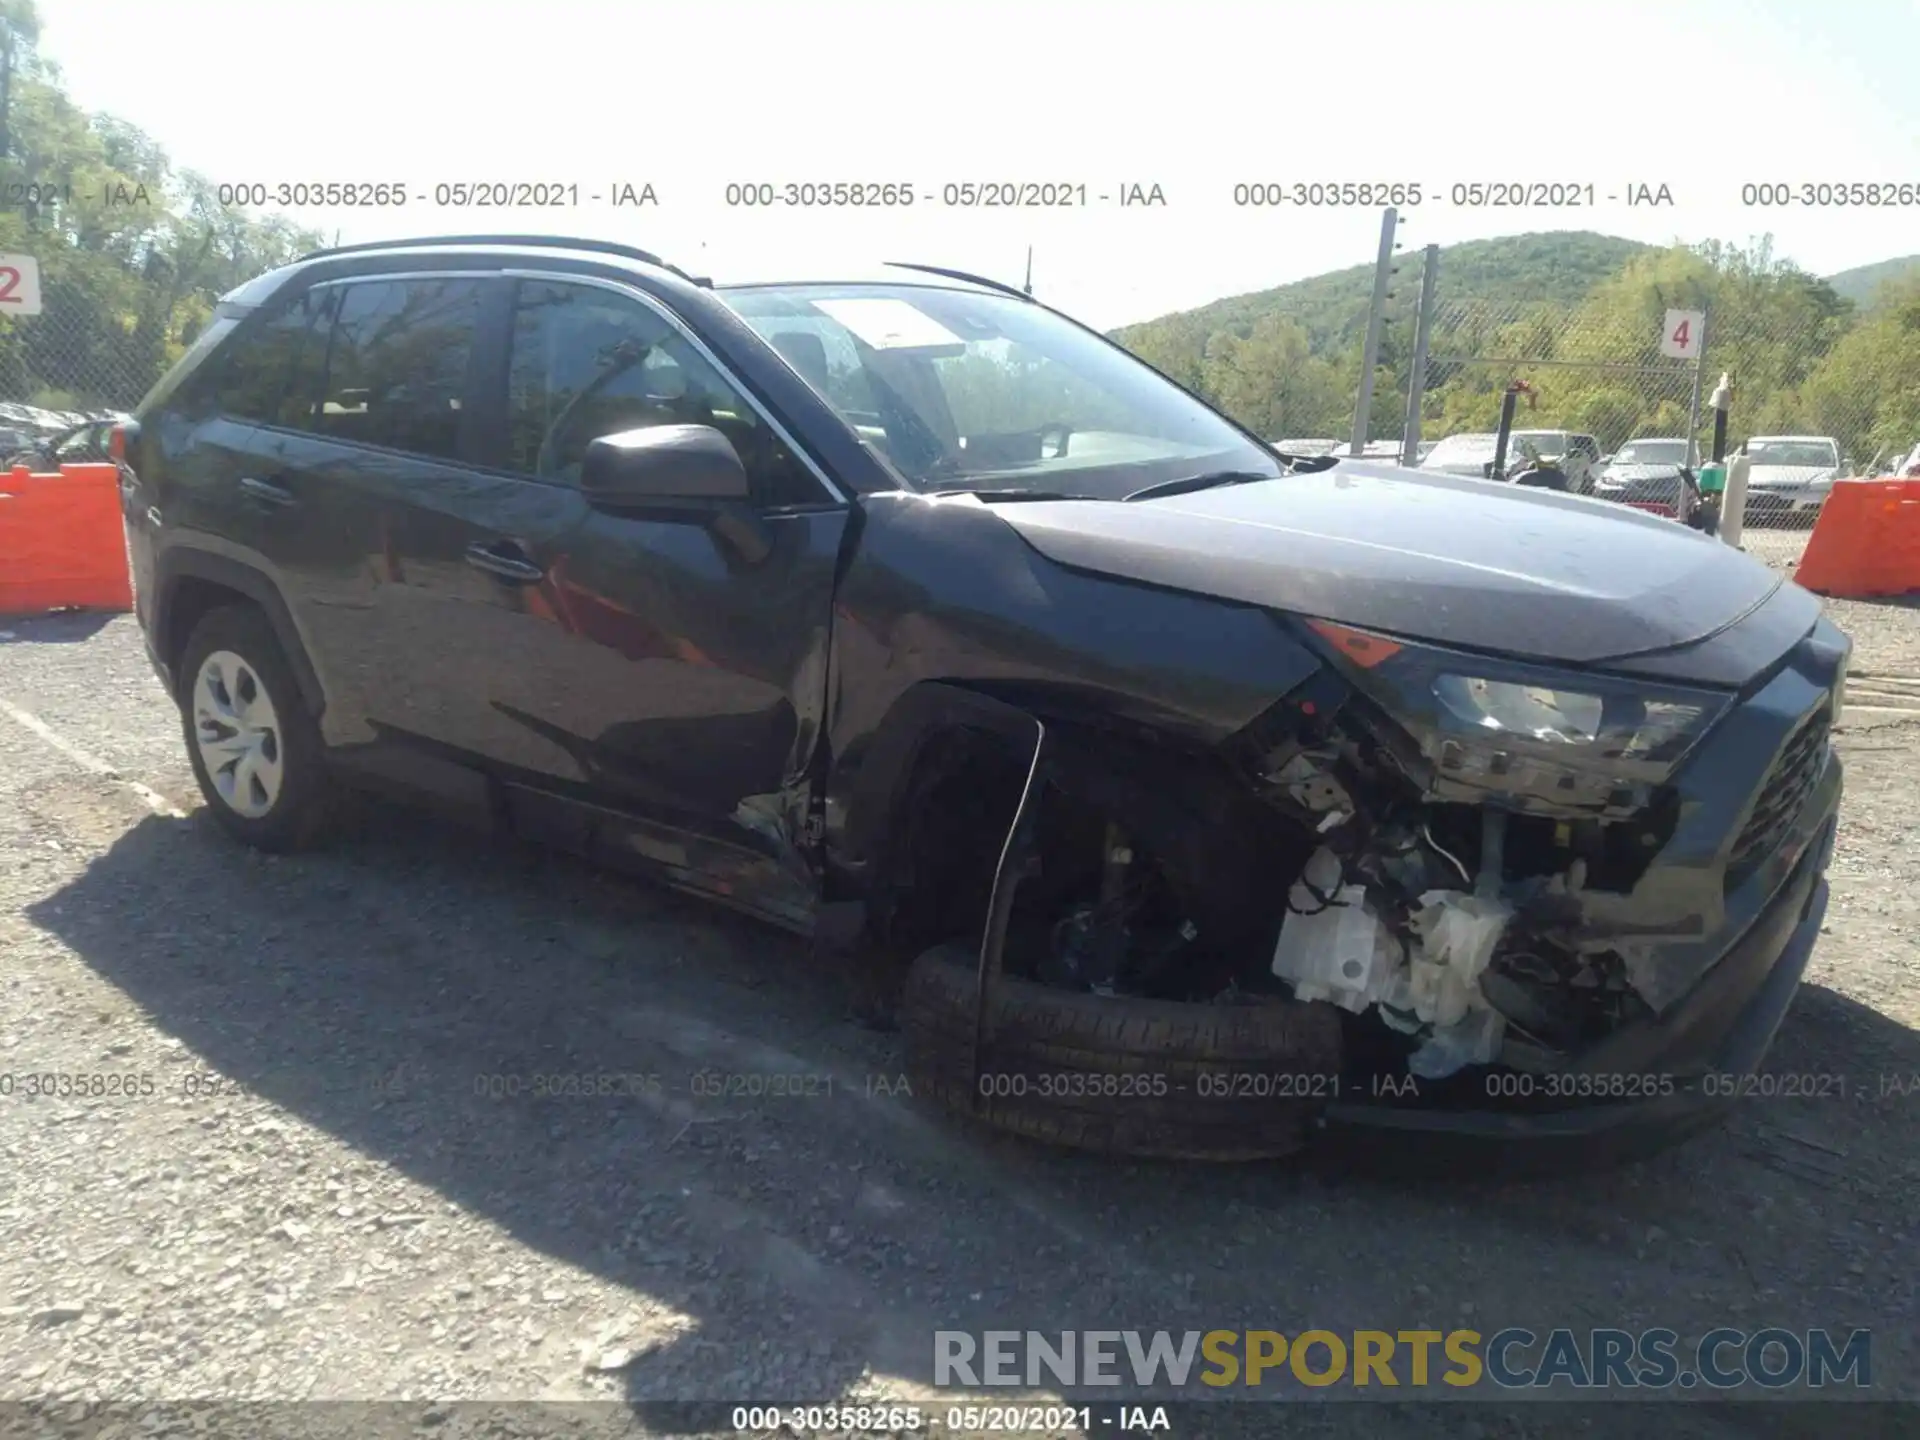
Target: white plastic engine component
(1457, 934)
(1339, 951)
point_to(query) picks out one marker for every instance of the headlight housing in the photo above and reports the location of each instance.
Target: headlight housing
(1539, 739)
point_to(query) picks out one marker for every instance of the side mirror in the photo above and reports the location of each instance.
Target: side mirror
(689, 468)
(663, 467)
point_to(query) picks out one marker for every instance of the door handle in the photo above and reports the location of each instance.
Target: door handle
(506, 560)
(267, 491)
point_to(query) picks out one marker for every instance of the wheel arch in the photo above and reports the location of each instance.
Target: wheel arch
(189, 583)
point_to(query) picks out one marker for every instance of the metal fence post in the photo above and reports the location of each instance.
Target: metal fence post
(1699, 374)
(1376, 313)
(1417, 381)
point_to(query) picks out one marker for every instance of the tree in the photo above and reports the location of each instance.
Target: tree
(132, 255)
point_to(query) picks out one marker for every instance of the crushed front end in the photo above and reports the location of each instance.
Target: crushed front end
(1549, 904)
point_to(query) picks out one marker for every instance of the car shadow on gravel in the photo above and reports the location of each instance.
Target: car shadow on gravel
(407, 992)
(62, 627)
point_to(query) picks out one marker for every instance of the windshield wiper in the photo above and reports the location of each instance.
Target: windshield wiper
(1005, 494)
(1208, 481)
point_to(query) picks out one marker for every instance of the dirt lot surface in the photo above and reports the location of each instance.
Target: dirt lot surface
(329, 1181)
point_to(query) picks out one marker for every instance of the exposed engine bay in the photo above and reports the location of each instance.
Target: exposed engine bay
(1450, 935)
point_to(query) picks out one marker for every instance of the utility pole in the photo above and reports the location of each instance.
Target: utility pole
(1376, 315)
(1417, 381)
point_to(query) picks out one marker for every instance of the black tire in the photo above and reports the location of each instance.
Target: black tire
(1147, 1078)
(304, 809)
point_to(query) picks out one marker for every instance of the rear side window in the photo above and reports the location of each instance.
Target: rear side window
(396, 364)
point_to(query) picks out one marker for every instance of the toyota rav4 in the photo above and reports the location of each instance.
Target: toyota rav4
(1173, 796)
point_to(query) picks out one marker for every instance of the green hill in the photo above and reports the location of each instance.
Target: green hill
(1862, 283)
(1583, 311)
(1332, 308)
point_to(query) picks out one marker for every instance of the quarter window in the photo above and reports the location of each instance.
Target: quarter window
(251, 383)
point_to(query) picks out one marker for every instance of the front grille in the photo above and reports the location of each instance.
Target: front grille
(1782, 795)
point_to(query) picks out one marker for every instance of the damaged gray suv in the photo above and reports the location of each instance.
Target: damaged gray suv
(1174, 796)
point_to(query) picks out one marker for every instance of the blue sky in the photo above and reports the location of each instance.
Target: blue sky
(1193, 96)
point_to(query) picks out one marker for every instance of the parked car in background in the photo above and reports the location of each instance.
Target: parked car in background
(1791, 477)
(1462, 455)
(1909, 468)
(13, 442)
(1578, 455)
(1645, 473)
(1305, 447)
(80, 445)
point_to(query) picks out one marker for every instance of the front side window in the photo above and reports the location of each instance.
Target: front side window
(588, 362)
(964, 391)
(396, 364)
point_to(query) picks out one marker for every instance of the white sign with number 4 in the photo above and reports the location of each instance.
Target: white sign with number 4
(19, 285)
(1680, 339)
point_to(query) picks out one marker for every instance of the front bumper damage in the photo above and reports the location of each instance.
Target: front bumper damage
(1718, 1031)
(1669, 970)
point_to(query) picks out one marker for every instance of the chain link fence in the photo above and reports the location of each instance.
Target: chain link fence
(1603, 374)
(74, 362)
(1802, 361)
(1593, 375)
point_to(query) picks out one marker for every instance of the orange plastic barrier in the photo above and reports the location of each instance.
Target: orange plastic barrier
(1866, 541)
(62, 541)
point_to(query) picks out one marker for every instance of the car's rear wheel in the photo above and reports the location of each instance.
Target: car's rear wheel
(255, 749)
(1148, 1078)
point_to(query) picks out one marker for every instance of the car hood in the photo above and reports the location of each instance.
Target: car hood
(1517, 570)
(1765, 477)
(1627, 474)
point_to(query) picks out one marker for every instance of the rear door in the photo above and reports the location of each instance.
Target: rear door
(203, 473)
(414, 551)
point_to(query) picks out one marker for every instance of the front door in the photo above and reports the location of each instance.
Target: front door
(659, 666)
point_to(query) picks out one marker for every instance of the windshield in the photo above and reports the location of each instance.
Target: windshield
(961, 391)
(1462, 447)
(1794, 452)
(1548, 443)
(1651, 452)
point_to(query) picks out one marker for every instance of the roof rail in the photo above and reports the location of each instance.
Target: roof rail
(1000, 285)
(555, 242)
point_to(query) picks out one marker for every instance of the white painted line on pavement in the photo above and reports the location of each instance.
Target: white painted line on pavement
(87, 760)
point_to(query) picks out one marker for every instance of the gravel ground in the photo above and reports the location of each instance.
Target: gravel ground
(311, 1195)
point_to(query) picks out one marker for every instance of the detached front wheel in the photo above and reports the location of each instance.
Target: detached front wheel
(1148, 1078)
